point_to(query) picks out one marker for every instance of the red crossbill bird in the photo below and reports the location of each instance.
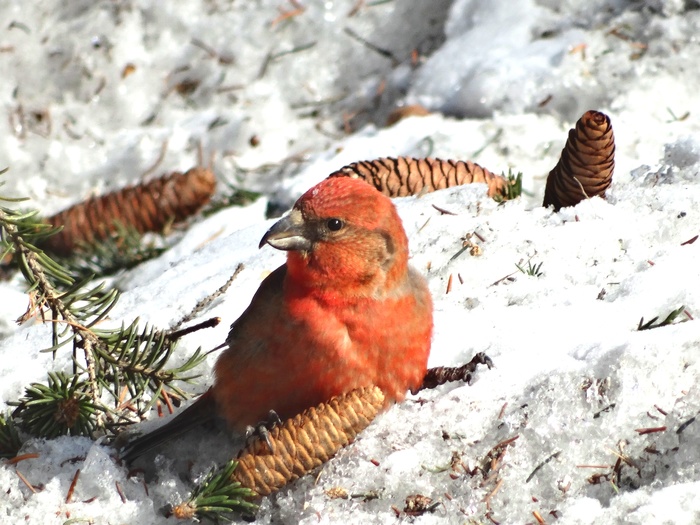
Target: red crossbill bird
(345, 311)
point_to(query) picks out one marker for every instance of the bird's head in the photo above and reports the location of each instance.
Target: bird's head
(342, 234)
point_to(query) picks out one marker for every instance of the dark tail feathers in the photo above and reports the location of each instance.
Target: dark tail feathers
(197, 414)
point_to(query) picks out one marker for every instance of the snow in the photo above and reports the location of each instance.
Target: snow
(574, 379)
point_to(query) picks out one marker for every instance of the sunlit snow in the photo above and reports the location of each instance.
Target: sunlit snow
(505, 81)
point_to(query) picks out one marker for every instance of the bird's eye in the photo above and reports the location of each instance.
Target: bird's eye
(334, 224)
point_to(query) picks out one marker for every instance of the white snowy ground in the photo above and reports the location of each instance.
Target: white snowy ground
(513, 78)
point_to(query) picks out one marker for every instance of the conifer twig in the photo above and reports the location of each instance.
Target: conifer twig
(51, 296)
(216, 496)
(10, 442)
(202, 304)
(103, 359)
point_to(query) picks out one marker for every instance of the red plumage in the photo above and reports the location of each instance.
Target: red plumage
(345, 311)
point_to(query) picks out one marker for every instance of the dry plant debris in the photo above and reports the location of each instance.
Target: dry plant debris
(400, 113)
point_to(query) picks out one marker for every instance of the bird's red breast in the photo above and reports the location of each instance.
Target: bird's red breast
(345, 311)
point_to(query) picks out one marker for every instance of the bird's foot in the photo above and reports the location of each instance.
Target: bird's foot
(443, 374)
(262, 429)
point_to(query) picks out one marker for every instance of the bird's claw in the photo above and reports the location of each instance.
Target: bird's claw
(262, 429)
(444, 374)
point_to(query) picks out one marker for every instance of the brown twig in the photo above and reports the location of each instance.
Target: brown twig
(685, 425)
(161, 155)
(202, 304)
(369, 45)
(538, 517)
(400, 113)
(538, 467)
(166, 397)
(120, 491)
(209, 323)
(493, 492)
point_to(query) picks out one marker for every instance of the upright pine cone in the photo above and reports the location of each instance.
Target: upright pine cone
(402, 176)
(146, 208)
(585, 168)
(306, 441)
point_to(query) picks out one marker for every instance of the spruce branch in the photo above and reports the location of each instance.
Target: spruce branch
(37, 269)
(217, 496)
(231, 195)
(33, 270)
(123, 249)
(138, 357)
(10, 442)
(105, 361)
(61, 407)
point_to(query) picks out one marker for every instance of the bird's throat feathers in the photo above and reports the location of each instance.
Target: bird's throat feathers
(363, 255)
(335, 277)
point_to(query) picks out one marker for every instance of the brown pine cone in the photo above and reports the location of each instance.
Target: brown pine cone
(147, 207)
(402, 176)
(306, 441)
(586, 166)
